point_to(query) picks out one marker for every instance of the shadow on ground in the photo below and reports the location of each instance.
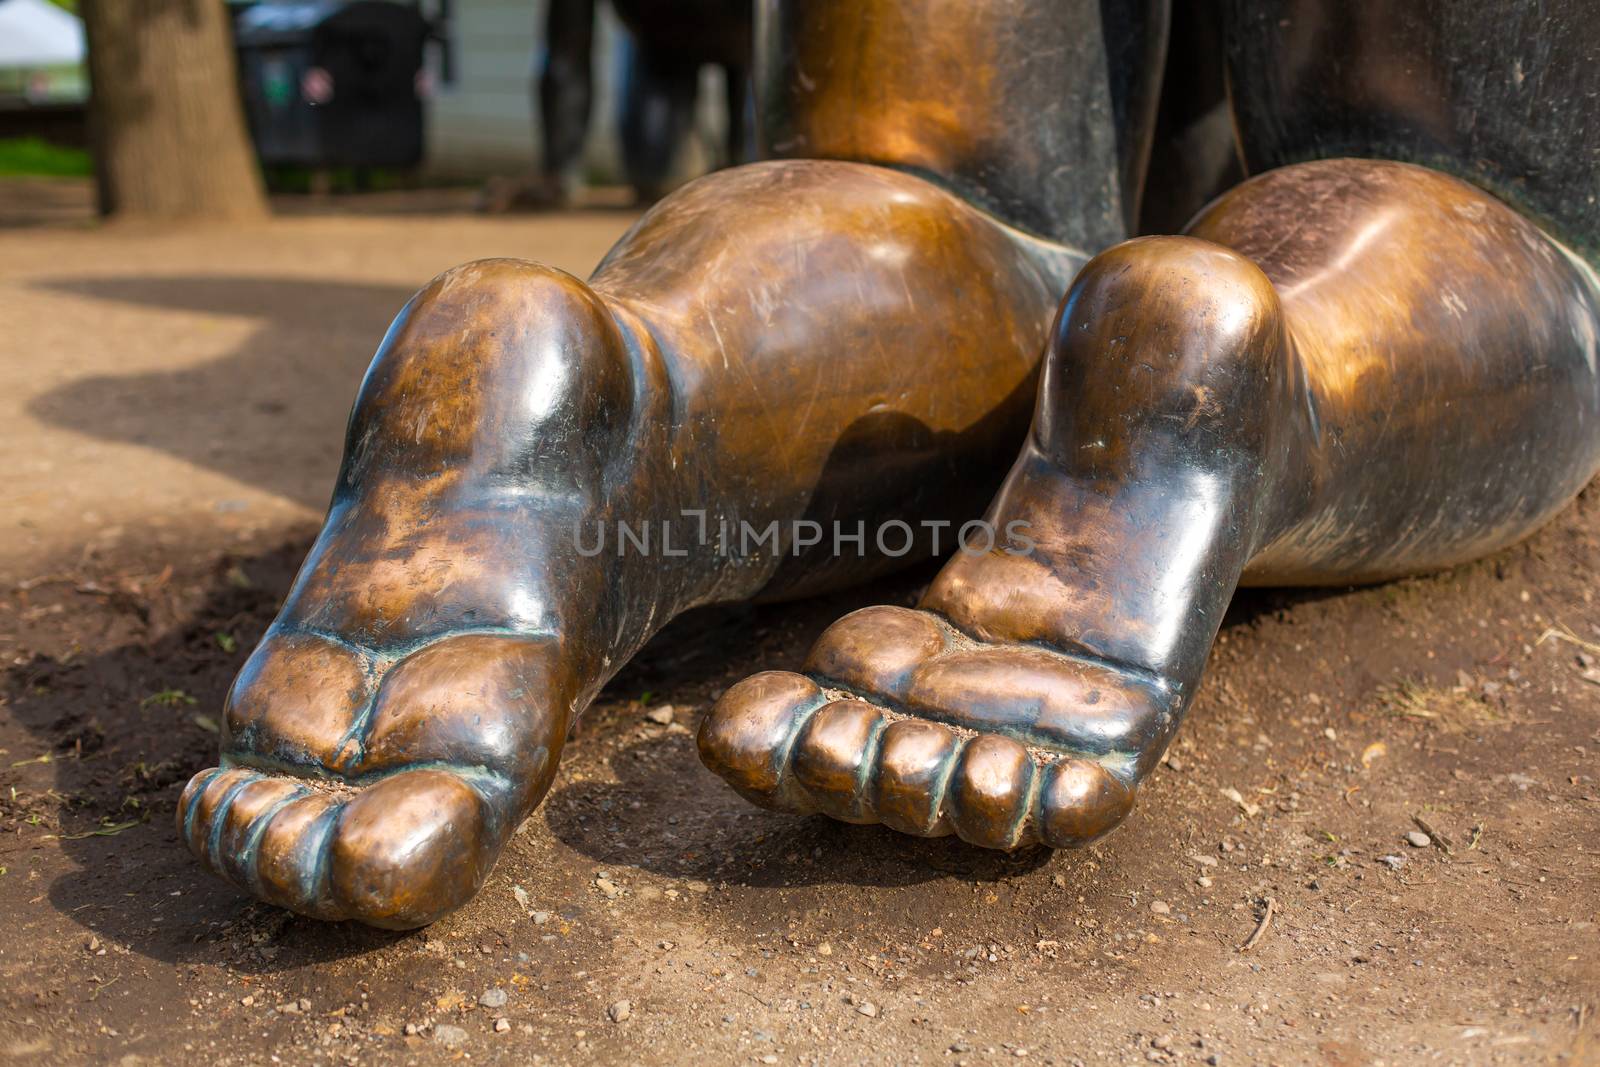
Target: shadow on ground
(291, 382)
(667, 814)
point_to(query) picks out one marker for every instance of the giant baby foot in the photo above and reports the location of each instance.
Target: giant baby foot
(407, 709)
(1415, 386)
(1043, 676)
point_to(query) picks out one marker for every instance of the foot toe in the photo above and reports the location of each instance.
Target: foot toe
(1002, 745)
(235, 833)
(833, 756)
(410, 849)
(288, 867)
(1080, 800)
(915, 761)
(748, 736)
(989, 792)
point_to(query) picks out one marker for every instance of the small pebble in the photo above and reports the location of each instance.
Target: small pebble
(1160, 907)
(661, 716)
(449, 1036)
(608, 887)
(1394, 863)
(1203, 882)
(1418, 839)
(621, 1011)
(867, 1008)
(493, 998)
(824, 949)
(540, 918)
(502, 1024)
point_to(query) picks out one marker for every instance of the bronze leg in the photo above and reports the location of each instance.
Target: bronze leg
(1350, 370)
(471, 589)
(540, 473)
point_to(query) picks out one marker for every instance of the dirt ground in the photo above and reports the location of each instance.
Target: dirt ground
(171, 405)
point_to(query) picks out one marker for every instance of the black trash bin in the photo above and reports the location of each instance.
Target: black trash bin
(328, 83)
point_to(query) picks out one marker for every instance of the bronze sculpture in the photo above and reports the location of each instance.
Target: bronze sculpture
(1348, 371)
(407, 709)
(1340, 374)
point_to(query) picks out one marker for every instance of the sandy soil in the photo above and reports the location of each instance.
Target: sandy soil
(171, 405)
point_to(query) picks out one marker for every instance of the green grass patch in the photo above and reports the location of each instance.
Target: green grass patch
(29, 157)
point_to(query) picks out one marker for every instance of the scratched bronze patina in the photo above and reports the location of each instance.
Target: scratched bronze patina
(1346, 370)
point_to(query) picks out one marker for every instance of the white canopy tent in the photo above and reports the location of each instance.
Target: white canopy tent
(35, 34)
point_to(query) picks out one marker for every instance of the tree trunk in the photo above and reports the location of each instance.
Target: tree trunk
(166, 122)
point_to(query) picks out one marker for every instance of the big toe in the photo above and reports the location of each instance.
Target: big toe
(497, 704)
(399, 853)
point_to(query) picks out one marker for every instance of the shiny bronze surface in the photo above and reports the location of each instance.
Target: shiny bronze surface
(540, 473)
(471, 590)
(1011, 103)
(1349, 370)
(1499, 92)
